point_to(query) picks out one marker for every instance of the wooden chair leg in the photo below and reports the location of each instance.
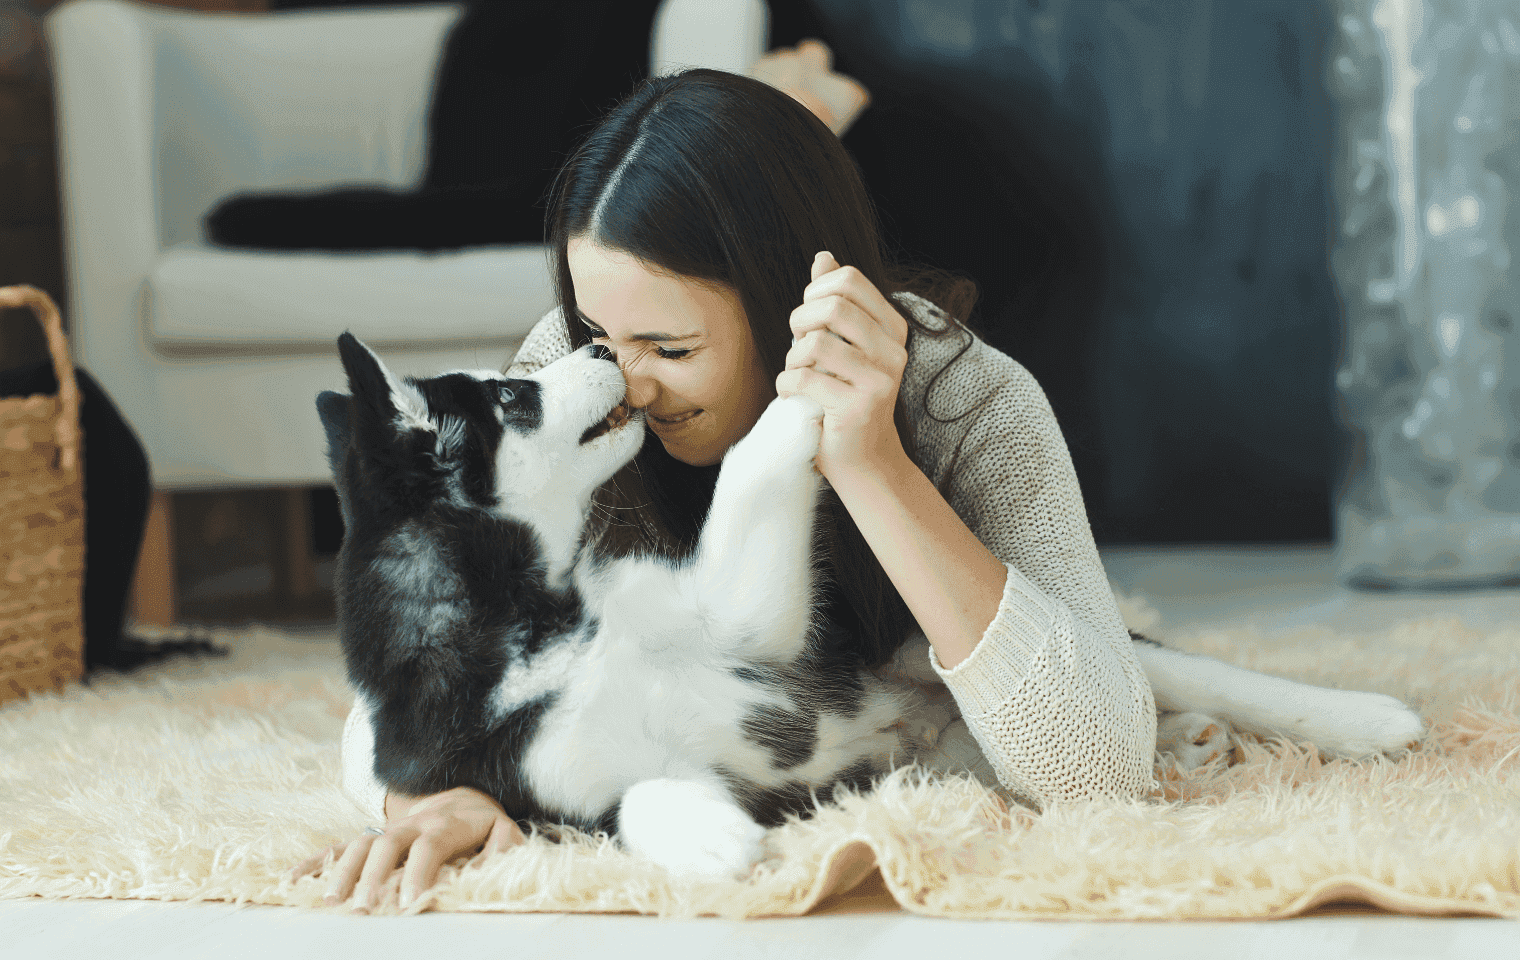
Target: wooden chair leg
(153, 600)
(300, 567)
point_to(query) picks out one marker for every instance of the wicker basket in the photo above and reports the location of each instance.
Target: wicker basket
(41, 523)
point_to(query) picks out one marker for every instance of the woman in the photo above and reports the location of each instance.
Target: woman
(699, 234)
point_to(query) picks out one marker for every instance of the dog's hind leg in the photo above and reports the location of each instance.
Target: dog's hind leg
(1344, 723)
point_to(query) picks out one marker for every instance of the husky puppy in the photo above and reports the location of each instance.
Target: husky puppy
(683, 706)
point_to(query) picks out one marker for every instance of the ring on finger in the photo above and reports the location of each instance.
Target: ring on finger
(375, 831)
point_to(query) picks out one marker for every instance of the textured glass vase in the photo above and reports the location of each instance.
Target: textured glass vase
(1425, 164)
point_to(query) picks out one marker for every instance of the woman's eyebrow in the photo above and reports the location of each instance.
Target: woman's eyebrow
(649, 337)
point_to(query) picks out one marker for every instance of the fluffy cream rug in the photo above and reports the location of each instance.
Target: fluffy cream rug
(208, 780)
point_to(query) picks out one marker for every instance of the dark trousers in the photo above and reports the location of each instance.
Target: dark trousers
(117, 488)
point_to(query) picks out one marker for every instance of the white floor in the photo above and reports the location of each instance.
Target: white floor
(1275, 588)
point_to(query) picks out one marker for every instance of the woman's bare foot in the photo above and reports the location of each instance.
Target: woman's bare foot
(806, 73)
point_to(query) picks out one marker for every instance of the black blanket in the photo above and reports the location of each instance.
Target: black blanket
(518, 84)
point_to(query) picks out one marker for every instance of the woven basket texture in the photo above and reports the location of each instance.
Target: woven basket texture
(41, 523)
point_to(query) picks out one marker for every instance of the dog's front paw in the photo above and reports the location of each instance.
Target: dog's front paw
(785, 437)
(1362, 724)
(692, 829)
(1192, 739)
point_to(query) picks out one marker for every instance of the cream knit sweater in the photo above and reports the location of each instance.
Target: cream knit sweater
(1053, 694)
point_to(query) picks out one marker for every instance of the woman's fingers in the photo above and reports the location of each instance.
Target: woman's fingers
(838, 316)
(345, 873)
(830, 392)
(430, 852)
(390, 891)
(823, 262)
(314, 864)
(505, 835)
(384, 854)
(423, 862)
(435, 830)
(841, 320)
(832, 280)
(828, 354)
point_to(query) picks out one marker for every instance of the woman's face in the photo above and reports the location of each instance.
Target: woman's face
(684, 346)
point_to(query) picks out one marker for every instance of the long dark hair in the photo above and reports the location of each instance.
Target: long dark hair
(719, 177)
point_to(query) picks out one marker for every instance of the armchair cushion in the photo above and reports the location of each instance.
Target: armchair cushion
(207, 296)
(162, 113)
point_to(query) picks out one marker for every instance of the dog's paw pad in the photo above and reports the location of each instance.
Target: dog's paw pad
(1193, 739)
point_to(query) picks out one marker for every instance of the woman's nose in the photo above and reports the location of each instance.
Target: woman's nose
(641, 389)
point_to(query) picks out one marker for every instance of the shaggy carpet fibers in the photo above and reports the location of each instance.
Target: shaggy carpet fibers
(208, 779)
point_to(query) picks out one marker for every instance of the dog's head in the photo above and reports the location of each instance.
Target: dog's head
(531, 450)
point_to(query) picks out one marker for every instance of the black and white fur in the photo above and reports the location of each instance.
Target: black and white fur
(684, 706)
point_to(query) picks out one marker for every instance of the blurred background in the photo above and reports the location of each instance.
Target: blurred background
(1148, 193)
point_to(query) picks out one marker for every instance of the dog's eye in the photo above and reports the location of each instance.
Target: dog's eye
(506, 395)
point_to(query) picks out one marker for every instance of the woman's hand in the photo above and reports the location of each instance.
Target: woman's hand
(849, 353)
(430, 833)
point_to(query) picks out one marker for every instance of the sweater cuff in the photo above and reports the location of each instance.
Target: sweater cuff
(359, 781)
(997, 666)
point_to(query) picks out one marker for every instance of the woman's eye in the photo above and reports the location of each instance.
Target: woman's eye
(671, 354)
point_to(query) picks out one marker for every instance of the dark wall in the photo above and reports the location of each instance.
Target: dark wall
(1140, 188)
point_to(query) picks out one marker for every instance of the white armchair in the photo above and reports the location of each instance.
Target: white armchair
(215, 355)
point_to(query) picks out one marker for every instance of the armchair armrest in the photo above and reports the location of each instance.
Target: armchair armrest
(719, 34)
(102, 56)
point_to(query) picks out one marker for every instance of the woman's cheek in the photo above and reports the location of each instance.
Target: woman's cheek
(698, 384)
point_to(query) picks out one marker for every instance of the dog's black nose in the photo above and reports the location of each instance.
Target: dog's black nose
(600, 352)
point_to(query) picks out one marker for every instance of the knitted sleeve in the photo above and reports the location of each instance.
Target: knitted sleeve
(1053, 692)
(359, 781)
(545, 343)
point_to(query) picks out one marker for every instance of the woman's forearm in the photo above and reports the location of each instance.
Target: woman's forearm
(948, 578)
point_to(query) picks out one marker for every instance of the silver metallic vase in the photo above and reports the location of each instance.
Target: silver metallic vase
(1424, 168)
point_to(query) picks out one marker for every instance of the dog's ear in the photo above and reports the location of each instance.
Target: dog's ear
(390, 434)
(382, 400)
(333, 409)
